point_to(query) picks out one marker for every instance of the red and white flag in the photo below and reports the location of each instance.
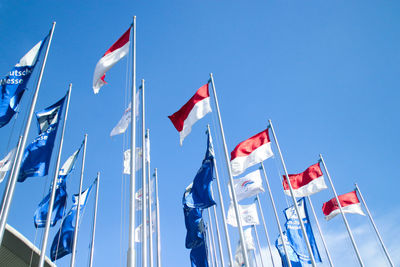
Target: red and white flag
(349, 203)
(195, 109)
(309, 182)
(114, 54)
(250, 152)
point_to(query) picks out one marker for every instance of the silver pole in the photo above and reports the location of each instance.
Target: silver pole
(94, 220)
(375, 228)
(258, 244)
(210, 247)
(158, 219)
(213, 238)
(149, 191)
(265, 229)
(228, 165)
(53, 185)
(8, 194)
(73, 255)
(276, 215)
(320, 232)
(144, 186)
(221, 254)
(18, 157)
(222, 206)
(132, 209)
(303, 229)
(341, 212)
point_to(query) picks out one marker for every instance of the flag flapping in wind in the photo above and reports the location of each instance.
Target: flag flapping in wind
(125, 120)
(248, 215)
(60, 198)
(195, 109)
(294, 259)
(198, 256)
(114, 54)
(249, 241)
(37, 155)
(309, 182)
(250, 152)
(195, 230)
(14, 84)
(5, 163)
(349, 203)
(63, 240)
(248, 186)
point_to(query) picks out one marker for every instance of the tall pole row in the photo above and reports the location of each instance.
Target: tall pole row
(221, 254)
(144, 186)
(258, 244)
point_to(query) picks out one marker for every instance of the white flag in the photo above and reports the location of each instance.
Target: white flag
(69, 164)
(248, 214)
(123, 123)
(127, 160)
(248, 186)
(248, 238)
(148, 149)
(5, 164)
(138, 230)
(139, 195)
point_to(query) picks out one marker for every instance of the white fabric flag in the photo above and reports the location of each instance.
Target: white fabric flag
(139, 195)
(248, 238)
(138, 230)
(127, 160)
(5, 164)
(125, 120)
(68, 164)
(248, 186)
(248, 214)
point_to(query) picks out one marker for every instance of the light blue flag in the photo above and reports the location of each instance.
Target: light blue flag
(294, 259)
(37, 155)
(13, 85)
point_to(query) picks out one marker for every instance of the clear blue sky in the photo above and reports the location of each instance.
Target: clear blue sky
(325, 72)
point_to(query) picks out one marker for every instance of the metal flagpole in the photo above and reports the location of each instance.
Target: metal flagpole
(265, 229)
(94, 220)
(18, 157)
(210, 247)
(303, 229)
(53, 185)
(221, 201)
(228, 165)
(144, 186)
(212, 238)
(132, 209)
(341, 212)
(158, 220)
(375, 228)
(79, 205)
(320, 232)
(149, 200)
(221, 254)
(276, 215)
(258, 244)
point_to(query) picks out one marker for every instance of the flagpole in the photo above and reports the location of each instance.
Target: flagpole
(8, 194)
(320, 232)
(144, 186)
(341, 212)
(258, 244)
(265, 229)
(303, 229)
(210, 247)
(18, 157)
(228, 165)
(221, 254)
(149, 200)
(53, 185)
(221, 201)
(276, 215)
(132, 209)
(213, 238)
(78, 205)
(158, 219)
(375, 228)
(94, 220)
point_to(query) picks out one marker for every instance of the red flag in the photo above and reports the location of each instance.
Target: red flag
(349, 203)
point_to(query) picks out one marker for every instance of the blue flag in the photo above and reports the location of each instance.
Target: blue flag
(60, 199)
(195, 227)
(37, 155)
(198, 256)
(199, 194)
(62, 243)
(294, 259)
(13, 85)
(295, 235)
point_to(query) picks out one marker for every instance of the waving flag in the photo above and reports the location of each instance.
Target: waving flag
(194, 223)
(248, 186)
(195, 109)
(248, 214)
(37, 155)
(114, 54)
(309, 182)
(125, 120)
(250, 152)
(294, 259)
(248, 239)
(198, 256)
(349, 203)
(14, 84)
(5, 164)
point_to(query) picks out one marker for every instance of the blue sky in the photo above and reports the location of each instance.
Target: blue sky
(323, 71)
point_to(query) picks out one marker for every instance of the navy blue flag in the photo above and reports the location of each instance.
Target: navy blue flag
(294, 259)
(37, 155)
(195, 227)
(295, 235)
(199, 194)
(62, 243)
(13, 85)
(198, 256)
(60, 199)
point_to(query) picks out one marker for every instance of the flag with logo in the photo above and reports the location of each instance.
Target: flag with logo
(248, 186)
(248, 215)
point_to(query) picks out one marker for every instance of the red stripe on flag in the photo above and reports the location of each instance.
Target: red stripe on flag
(120, 42)
(302, 179)
(345, 200)
(246, 147)
(179, 117)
